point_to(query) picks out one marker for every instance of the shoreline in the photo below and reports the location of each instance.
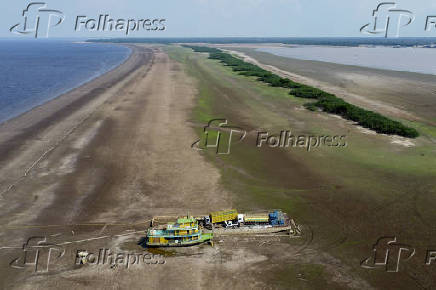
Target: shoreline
(67, 122)
(30, 123)
(392, 93)
(98, 169)
(346, 60)
(78, 85)
(28, 138)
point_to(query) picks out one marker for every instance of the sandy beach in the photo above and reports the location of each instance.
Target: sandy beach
(89, 169)
(113, 151)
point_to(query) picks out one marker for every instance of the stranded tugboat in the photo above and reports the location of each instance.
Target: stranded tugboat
(184, 232)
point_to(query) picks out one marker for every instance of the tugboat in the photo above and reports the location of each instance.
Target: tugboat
(184, 232)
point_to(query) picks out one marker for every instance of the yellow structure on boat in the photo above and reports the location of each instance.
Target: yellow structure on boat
(184, 232)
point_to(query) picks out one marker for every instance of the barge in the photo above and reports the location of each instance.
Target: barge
(188, 231)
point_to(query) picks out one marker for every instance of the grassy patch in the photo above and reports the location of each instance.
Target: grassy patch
(357, 194)
(325, 101)
(305, 276)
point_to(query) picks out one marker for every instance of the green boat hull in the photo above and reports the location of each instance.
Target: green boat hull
(204, 238)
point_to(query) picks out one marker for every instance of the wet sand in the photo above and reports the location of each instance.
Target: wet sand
(92, 165)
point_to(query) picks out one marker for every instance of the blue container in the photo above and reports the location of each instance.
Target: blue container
(274, 215)
(276, 218)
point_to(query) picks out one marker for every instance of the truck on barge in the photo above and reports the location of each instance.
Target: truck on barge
(190, 230)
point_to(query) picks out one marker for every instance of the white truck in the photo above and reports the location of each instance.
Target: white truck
(235, 223)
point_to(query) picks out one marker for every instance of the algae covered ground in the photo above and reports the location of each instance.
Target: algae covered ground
(345, 197)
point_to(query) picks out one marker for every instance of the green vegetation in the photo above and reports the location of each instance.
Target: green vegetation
(365, 118)
(325, 101)
(323, 190)
(203, 49)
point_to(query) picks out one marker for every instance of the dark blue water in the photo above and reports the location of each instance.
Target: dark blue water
(33, 72)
